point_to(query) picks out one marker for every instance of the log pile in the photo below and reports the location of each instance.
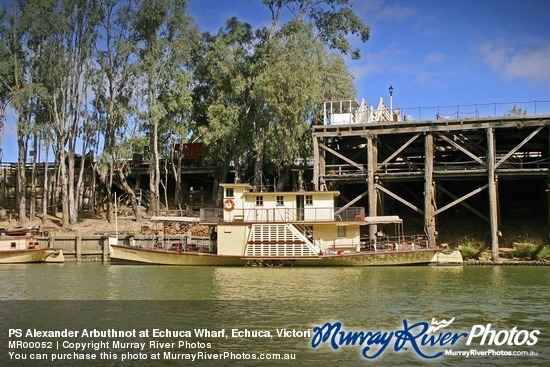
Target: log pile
(177, 228)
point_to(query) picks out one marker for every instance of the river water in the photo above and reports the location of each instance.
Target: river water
(394, 304)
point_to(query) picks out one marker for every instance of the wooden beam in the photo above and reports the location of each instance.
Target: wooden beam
(462, 198)
(429, 190)
(461, 148)
(316, 164)
(493, 205)
(341, 156)
(427, 126)
(398, 198)
(365, 193)
(466, 205)
(517, 147)
(371, 186)
(409, 142)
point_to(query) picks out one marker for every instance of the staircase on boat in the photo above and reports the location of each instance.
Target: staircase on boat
(280, 240)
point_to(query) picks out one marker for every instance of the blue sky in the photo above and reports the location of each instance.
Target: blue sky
(483, 55)
(438, 53)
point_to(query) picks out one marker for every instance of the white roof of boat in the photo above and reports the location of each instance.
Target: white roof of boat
(383, 219)
(175, 219)
(296, 193)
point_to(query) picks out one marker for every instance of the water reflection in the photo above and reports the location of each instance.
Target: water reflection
(369, 298)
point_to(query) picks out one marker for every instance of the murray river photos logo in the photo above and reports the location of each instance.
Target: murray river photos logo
(427, 340)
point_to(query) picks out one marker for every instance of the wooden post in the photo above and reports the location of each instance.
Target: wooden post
(3, 178)
(78, 248)
(429, 190)
(371, 167)
(316, 163)
(322, 169)
(105, 249)
(493, 204)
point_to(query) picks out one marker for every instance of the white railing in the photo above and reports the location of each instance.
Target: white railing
(284, 215)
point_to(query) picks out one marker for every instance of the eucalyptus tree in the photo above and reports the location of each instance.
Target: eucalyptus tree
(177, 102)
(288, 85)
(6, 81)
(113, 89)
(27, 93)
(6, 76)
(257, 90)
(58, 43)
(222, 104)
(163, 33)
(334, 21)
(18, 90)
(289, 82)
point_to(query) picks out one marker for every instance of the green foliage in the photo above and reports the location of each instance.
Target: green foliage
(531, 251)
(222, 110)
(544, 254)
(334, 21)
(515, 111)
(470, 248)
(104, 71)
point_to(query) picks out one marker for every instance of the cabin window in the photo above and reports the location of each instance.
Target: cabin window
(259, 201)
(280, 200)
(13, 245)
(309, 199)
(229, 192)
(341, 231)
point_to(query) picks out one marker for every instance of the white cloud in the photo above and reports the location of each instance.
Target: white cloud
(375, 63)
(396, 12)
(381, 10)
(531, 64)
(361, 71)
(429, 25)
(434, 58)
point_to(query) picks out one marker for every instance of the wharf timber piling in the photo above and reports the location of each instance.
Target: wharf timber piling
(431, 166)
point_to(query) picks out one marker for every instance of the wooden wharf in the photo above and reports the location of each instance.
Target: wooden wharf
(375, 150)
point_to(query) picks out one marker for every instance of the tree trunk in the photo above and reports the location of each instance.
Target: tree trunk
(73, 210)
(64, 189)
(154, 174)
(131, 195)
(2, 171)
(45, 186)
(32, 211)
(283, 173)
(258, 164)
(21, 178)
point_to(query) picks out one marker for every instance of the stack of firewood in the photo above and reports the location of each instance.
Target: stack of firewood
(175, 228)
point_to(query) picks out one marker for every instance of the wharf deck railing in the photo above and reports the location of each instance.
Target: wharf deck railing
(96, 247)
(440, 167)
(396, 243)
(290, 215)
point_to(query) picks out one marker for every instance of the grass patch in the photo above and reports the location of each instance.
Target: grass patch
(531, 251)
(470, 248)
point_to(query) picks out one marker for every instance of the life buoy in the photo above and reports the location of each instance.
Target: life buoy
(229, 205)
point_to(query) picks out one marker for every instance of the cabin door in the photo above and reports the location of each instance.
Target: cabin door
(300, 207)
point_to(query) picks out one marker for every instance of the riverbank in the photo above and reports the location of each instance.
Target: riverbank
(90, 232)
(87, 225)
(507, 262)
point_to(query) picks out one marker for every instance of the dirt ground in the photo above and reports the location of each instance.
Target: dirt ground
(88, 225)
(521, 230)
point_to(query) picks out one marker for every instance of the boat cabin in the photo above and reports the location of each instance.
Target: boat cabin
(12, 243)
(286, 223)
(243, 204)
